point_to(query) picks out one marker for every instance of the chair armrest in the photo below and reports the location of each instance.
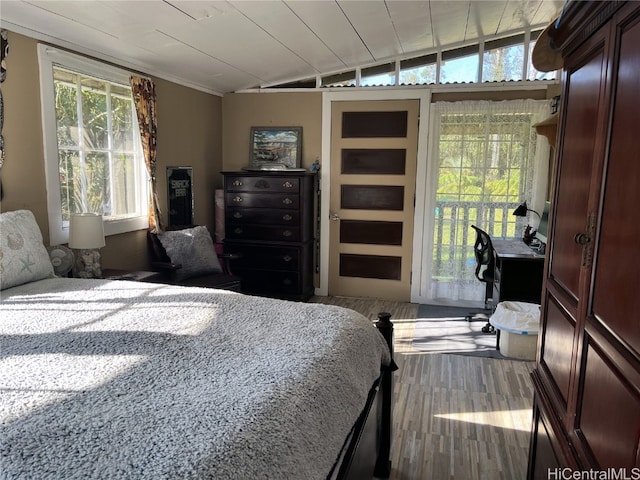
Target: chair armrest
(165, 266)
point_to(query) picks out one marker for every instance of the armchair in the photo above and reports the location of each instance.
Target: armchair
(196, 265)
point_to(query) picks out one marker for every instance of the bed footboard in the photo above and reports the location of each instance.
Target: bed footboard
(383, 462)
(368, 453)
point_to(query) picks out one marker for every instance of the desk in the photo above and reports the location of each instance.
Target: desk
(518, 274)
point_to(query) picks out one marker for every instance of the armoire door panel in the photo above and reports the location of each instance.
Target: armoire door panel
(557, 346)
(545, 458)
(617, 265)
(572, 191)
(608, 417)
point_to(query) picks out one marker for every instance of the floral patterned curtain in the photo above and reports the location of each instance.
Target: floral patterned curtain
(144, 98)
(4, 50)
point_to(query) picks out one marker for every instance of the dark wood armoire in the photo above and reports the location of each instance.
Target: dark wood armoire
(587, 374)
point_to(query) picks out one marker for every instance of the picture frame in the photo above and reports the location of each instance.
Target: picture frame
(180, 196)
(275, 148)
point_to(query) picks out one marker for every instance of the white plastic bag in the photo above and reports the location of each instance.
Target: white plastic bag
(517, 317)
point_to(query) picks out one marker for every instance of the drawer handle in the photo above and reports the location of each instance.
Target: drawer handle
(287, 185)
(237, 183)
(287, 233)
(262, 184)
(237, 199)
(237, 215)
(287, 201)
(287, 258)
(287, 217)
(237, 230)
(287, 281)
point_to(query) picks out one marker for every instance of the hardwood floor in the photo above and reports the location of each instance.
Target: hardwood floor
(455, 417)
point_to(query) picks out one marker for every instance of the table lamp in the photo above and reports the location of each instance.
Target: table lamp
(86, 236)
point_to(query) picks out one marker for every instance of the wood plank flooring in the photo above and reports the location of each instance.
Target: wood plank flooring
(455, 417)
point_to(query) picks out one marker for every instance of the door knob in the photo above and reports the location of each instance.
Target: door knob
(334, 217)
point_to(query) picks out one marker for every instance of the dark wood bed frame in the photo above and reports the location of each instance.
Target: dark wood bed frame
(368, 452)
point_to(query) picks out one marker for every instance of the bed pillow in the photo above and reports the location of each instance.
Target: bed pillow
(193, 249)
(23, 256)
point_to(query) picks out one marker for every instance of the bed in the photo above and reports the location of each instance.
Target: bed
(131, 380)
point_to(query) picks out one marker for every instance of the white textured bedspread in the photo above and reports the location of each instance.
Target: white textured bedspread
(124, 380)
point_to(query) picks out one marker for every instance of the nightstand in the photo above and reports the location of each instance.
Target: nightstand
(133, 275)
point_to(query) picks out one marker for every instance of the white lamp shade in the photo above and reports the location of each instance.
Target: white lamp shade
(86, 231)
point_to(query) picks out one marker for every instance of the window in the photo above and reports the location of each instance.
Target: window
(380, 75)
(93, 154)
(534, 74)
(347, 79)
(460, 65)
(503, 60)
(419, 70)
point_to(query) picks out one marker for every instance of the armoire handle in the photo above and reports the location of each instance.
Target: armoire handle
(582, 238)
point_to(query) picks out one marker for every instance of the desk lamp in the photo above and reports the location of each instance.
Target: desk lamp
(521, 211)
(86, 236)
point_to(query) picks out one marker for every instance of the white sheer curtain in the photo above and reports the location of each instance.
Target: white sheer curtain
(485, 159)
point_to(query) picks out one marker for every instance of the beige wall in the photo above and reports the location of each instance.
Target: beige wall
(23, 182)
(189, 134)
(241, 111)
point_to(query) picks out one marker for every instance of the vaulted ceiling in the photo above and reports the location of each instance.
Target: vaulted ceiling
(224, 46)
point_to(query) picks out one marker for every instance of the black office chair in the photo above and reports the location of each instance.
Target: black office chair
(485, 271)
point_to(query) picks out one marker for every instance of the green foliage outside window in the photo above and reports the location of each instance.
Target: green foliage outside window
(484, 168)
(96, 145)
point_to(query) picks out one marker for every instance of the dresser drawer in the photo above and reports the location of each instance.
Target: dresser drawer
(243, 216)
(264, 257)
(269, 282)
(262, 200)
(263, 232)
(253, 184)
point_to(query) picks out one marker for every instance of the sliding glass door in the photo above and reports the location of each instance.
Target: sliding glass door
(486, 159)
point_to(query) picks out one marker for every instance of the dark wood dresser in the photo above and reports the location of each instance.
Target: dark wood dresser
(587, 374)
(269, 221)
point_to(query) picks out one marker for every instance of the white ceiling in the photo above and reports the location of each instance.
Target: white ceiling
(224, 46)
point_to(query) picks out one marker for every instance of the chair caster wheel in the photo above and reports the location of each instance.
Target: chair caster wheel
(488, 329)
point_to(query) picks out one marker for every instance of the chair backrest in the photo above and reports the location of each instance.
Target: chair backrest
(485, 259)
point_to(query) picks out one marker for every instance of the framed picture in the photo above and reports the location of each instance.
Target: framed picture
(180, 196)
(272, 147)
